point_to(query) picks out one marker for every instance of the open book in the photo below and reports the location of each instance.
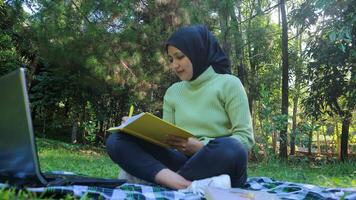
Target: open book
(212, 193)
(150, 128)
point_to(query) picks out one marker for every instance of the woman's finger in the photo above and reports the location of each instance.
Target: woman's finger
(176, 138)
(124, 119)
(176, 142)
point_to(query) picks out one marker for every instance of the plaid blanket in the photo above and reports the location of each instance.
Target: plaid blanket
(294, 191)
(283, 190)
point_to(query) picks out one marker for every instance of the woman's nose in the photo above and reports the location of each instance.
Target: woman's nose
(174, 64)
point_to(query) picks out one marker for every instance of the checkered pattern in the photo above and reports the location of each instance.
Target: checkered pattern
(283, 190)
(294, 191)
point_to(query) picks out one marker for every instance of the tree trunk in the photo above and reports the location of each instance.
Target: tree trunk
(325, 141)
(238, 41)
(331, 132)
(102, 133)
(334, 144)
(298, 70)
(283, 134)
(310, 141)
(294, 128)
(318, 142)
(252, 82)
(338, 139)
(34, 70)
(254, 75)
(274, 141)
(224, 21)
(74, 132)
(44, 125)
(345, 136)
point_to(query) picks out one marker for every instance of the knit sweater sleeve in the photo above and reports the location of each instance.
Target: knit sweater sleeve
(168, 109)
(237, 108)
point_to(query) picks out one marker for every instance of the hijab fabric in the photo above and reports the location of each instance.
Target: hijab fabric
(202, 48)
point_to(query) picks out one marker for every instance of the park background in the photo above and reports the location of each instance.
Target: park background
(88, 61)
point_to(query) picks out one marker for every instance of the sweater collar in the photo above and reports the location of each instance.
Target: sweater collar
(205, 76)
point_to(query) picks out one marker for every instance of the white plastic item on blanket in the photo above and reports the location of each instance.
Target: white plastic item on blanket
(130, 178)
(198, 186)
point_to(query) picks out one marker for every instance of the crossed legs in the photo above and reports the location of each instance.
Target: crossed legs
(173, 169)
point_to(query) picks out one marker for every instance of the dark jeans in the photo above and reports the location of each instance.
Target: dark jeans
(144, 160)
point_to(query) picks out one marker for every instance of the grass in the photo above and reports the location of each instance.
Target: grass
(88, 160)
(80, 159)
(326, 175)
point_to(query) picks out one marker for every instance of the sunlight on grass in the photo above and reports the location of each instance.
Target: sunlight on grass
(327, 175)
(79, 159)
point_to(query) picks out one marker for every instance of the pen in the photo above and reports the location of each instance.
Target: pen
(131, 110)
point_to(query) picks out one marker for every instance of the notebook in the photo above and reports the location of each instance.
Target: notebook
(19, 163)
(151, 128)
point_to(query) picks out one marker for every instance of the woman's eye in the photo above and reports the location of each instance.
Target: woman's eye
(180, 57)
(170, 59)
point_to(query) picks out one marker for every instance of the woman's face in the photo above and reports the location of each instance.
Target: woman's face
(180, 63)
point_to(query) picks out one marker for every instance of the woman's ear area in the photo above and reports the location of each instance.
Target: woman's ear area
(166, 47)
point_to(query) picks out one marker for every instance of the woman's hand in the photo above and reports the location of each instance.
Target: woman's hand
(124, 119)
(187, 146)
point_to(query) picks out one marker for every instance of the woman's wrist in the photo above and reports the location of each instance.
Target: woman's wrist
(196, 145)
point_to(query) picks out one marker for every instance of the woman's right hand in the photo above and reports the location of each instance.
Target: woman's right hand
(187, 146)
(124, 119)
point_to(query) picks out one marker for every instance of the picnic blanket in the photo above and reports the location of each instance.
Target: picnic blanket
(283, 190)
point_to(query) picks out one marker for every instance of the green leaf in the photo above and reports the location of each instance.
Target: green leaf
(332, 36)
(347, 35)
(353, 53)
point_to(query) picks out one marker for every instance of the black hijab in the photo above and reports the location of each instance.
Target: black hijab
(202, 48)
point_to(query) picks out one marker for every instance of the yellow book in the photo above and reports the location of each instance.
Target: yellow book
(150, 128)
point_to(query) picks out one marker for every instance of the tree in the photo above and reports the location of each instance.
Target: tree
(331, 71)
(9, 57)
(90, 60)
(283, 134)
(296, 63)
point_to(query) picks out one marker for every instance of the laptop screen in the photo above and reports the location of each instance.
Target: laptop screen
(18, 157)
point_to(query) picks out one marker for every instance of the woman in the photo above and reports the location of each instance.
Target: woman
(208, 102)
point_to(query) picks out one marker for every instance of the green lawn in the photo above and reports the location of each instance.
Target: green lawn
(91, 161)
(83, 159)
(327, 175)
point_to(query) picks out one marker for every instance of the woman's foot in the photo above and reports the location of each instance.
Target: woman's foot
(171, 179)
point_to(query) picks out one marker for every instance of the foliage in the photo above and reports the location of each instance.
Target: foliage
(88, 61)
(330, 79)
(270, 121)
(330, 70)
(91, 53)
(9, 57)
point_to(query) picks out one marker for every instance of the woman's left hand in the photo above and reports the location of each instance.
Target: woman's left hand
(187, 146)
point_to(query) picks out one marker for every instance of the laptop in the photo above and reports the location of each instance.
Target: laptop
(19, 163)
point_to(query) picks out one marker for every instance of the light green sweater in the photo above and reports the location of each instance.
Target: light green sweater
(211, 106)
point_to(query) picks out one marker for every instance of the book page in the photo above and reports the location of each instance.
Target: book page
(131, 119)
